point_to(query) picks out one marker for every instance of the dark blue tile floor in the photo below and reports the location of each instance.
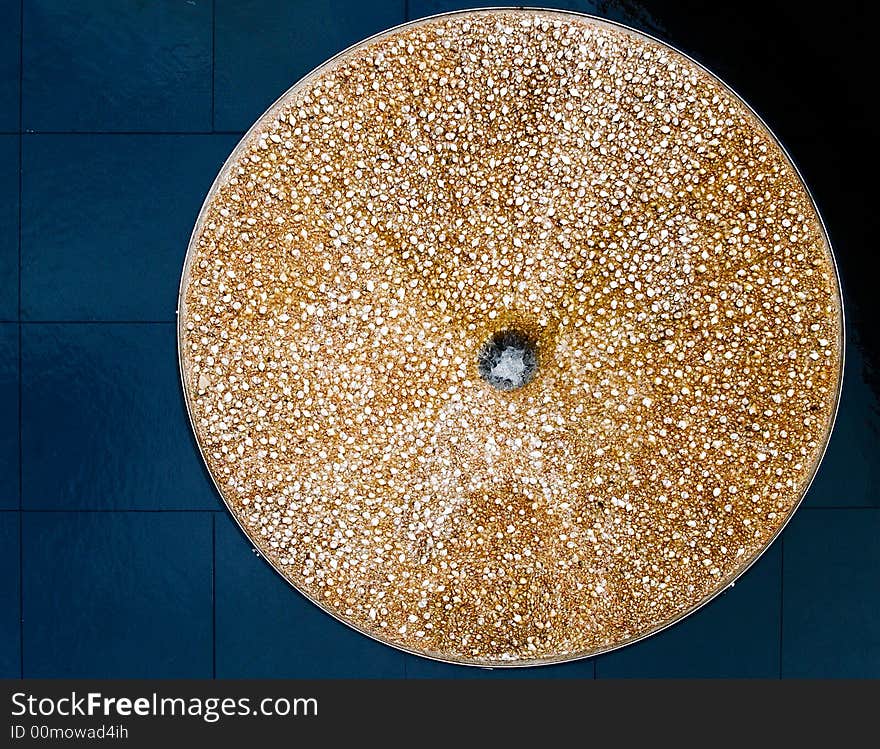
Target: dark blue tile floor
(295, 36)
(831, 588)
(116, 595)
(422, 668)
(10, 68)
(104, 426)
(115, 225)
(126, 65)
(10, 595)
(9, 207)
(9, 432)
(128, 565)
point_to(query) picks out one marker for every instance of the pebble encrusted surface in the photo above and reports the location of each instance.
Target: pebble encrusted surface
(534, 171)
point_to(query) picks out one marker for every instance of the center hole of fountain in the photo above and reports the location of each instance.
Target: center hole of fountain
(508, 360)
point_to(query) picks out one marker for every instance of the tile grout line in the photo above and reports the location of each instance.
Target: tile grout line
(20, 201)
(781, 596)
(406, 10)
(213, 595)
